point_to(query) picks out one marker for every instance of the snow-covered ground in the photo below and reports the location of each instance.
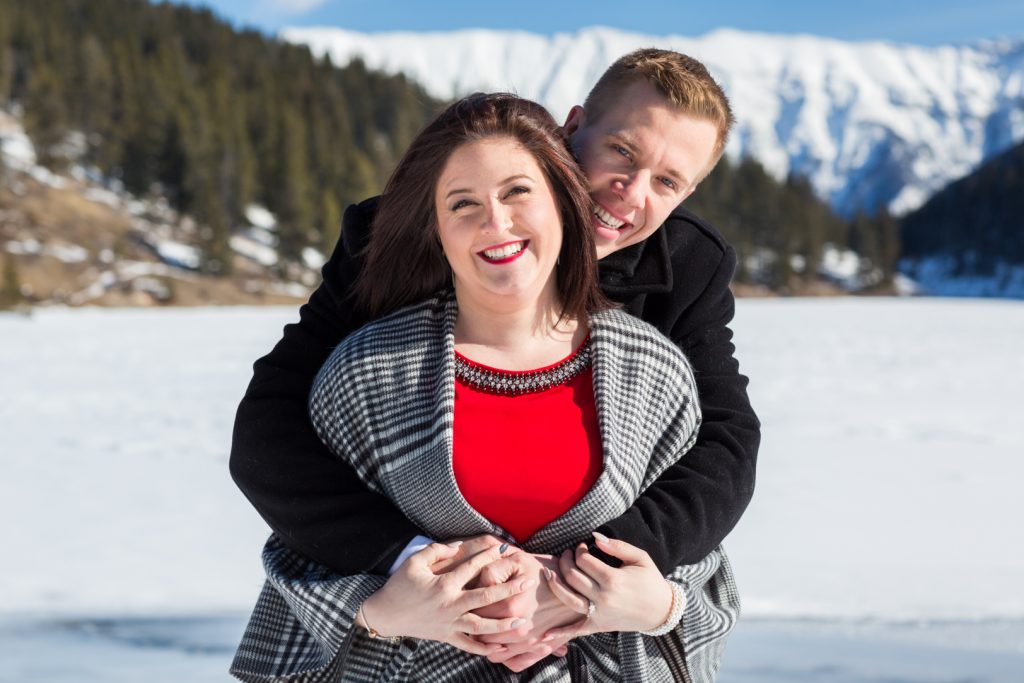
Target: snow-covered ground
(888, 479)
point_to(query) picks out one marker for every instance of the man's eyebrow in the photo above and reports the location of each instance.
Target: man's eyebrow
(627, 139)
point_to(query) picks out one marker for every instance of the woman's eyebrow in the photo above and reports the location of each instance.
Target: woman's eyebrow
(506, 181)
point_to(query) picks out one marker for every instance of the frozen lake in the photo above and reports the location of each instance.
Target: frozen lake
(883, 544)
(199, 650)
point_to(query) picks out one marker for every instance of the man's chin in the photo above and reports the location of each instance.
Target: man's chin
(608, 239)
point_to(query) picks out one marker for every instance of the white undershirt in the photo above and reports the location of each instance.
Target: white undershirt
(414, 546)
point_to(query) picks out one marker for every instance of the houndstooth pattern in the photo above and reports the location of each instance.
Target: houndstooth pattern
(384, 401)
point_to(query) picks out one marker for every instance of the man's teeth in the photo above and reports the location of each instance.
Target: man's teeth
(504, 252)
(608, 219)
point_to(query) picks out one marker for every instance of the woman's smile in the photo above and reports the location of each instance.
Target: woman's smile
(504, 253)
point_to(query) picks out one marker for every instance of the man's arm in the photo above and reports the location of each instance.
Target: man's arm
(319, 507)
(696, 502)
(313, 500)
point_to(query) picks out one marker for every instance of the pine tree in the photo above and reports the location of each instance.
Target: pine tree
(330, 222)
(10, 285)
(45, 114)
(6, 52)
(295, 210)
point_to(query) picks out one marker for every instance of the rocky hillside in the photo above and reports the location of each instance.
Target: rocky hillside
(73, 239)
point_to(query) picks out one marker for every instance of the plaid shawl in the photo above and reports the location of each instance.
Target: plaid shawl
(384, 401)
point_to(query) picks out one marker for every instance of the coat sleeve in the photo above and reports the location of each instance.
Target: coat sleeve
(303, 625)
(687, 512)
(310, 498)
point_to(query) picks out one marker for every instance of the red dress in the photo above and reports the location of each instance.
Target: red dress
(526, 444)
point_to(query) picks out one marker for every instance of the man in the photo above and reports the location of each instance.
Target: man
(653, 127)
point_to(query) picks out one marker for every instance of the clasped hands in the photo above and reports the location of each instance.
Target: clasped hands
(513, 607)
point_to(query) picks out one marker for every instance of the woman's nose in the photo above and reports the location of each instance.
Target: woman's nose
(499, 218)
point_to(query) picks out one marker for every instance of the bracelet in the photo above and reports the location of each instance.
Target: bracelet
(674, 615)
(372, 632)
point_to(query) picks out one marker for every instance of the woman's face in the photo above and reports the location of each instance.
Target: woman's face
(499, 223)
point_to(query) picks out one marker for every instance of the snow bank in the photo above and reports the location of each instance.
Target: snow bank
(887, 483)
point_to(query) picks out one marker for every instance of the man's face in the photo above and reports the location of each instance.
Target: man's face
(643, 158)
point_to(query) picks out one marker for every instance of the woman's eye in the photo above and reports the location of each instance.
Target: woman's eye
(459, 204)
(519, 189)
(622, 151)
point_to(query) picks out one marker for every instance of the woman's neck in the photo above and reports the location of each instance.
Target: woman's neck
(515, 336)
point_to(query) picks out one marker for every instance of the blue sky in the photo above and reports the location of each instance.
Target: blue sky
(923, 23)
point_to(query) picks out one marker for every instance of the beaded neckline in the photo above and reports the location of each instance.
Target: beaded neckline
(516, 383)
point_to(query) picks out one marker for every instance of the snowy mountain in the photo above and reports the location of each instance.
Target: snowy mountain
(870, 123)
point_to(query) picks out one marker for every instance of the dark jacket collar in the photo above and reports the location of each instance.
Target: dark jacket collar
(644, 268)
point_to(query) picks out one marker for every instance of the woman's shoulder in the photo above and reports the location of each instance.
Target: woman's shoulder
(406, 325)
(383, 341)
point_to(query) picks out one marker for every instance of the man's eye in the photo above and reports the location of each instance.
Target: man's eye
(623, 151)
(669, 183)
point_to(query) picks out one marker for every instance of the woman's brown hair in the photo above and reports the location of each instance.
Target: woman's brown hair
(404, 261)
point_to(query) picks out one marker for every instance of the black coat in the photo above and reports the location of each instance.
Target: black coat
(677, 280)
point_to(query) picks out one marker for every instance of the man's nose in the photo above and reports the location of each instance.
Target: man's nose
(632, 189)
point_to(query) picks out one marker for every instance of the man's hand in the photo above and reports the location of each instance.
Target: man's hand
(468, 547)
(523, 646)
(417, 603)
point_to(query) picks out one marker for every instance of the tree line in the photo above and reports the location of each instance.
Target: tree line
(173, 101)
(780, 229)
(976, 222)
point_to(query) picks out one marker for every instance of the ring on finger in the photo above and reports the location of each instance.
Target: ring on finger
(591, 608)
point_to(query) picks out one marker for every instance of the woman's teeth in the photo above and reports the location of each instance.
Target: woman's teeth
(503, 252)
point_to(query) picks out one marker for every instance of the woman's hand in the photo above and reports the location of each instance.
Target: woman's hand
(633, 597)
(417, 603)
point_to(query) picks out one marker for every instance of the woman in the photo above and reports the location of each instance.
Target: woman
(504, 360)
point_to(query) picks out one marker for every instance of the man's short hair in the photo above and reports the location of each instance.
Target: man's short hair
(681, 79)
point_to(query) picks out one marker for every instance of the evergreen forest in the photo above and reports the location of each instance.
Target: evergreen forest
(976, 220)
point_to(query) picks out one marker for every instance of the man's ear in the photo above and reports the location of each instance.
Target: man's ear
(574, 121)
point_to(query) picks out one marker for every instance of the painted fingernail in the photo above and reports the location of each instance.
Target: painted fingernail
(600, 537)
(548, 574)
(517, 623)
(503, 548)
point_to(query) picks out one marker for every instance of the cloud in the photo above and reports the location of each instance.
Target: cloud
(292, 6)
